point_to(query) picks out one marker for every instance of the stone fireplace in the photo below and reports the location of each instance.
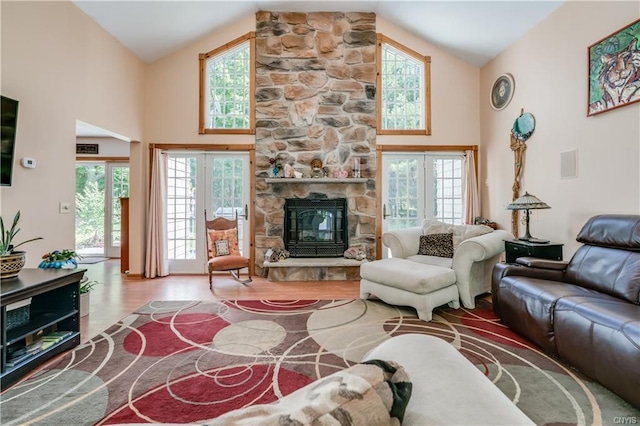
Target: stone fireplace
(315, 100)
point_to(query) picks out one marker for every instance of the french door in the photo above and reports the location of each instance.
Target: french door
(218, 182)
(416, 186)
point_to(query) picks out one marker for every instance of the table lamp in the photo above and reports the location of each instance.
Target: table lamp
(528, 202)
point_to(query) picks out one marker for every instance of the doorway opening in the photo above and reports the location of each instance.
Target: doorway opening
(99, 187)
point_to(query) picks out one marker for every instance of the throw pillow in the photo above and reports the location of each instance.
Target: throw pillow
(222, 248)
(373, 392)
(228, 234)
(432, 226)
(460, 232)
(464, 232)
(440, 245)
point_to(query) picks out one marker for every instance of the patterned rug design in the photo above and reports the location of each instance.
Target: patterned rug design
(186, 362)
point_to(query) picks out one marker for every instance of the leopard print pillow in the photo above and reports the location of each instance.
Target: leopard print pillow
(440, 245)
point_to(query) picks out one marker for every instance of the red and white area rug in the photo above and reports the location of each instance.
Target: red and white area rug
(186, 362)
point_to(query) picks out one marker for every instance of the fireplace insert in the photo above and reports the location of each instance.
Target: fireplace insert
(315, 227)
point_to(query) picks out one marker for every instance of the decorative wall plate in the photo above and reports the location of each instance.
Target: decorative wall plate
(524, 126)
(502, 92)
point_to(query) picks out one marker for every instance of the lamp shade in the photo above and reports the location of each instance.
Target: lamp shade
(527, 202)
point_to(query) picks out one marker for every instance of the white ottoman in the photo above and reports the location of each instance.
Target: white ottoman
(406, 283)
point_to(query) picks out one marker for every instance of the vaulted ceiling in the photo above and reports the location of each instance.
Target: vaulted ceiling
(474, 31)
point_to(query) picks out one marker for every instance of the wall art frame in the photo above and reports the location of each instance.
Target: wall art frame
(87, 148)
(502, 91)
(614, 78)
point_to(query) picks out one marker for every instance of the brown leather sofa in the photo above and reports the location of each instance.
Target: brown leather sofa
(586, 311)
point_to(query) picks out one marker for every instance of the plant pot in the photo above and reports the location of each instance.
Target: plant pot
(58, 264)
(12, 264)
(85, 304)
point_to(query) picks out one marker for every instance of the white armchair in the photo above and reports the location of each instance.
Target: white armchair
(477, 248)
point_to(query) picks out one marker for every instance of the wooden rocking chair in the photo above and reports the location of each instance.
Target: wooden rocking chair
(221, 229)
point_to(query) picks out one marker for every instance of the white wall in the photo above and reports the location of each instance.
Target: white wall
(549, 65)
(62, 67)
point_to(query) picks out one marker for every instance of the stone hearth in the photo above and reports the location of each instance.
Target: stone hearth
(314, 269)
(315, 99)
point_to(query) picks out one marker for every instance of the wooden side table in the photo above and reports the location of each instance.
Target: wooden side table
(518, 248)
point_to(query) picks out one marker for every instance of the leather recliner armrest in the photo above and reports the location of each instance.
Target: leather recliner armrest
(503, 270)
(535, 262)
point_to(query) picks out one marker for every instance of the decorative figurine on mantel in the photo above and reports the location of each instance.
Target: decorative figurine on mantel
(289, 171)
(276, 166)
(316, 168)
(356, 167)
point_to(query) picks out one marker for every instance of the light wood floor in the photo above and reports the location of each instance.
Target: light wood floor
(116, 297)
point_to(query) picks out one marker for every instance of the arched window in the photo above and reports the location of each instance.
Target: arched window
(227, 84)
(404, 100)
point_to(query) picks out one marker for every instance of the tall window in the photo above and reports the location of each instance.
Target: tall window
(418, 186)
(447, 189)
(227, 189)
(227, 87)
(404, 101)
(119, 188)
(181, 202)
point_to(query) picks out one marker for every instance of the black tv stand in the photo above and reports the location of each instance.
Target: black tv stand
(54, 307)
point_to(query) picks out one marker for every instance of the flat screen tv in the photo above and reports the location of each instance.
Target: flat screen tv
(9, 118)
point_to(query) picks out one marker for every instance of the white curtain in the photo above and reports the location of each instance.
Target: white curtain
(471, 197)
(157, 262)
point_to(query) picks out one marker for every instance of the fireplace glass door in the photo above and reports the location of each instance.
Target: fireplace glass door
(316, 227)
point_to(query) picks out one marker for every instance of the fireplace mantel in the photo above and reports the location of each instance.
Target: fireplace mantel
(316, 180)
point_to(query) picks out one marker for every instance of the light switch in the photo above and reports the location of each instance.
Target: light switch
(65, 207)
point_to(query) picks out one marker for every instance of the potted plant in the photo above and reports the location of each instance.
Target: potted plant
(11, 261)
(65, 259)
(85, 295)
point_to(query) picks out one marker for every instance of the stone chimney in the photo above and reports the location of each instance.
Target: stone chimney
(315, 99)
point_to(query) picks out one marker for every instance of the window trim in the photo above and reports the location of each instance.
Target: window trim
(203, 58)
(427, 87)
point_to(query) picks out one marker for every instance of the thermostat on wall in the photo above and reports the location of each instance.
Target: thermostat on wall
(29, 163)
